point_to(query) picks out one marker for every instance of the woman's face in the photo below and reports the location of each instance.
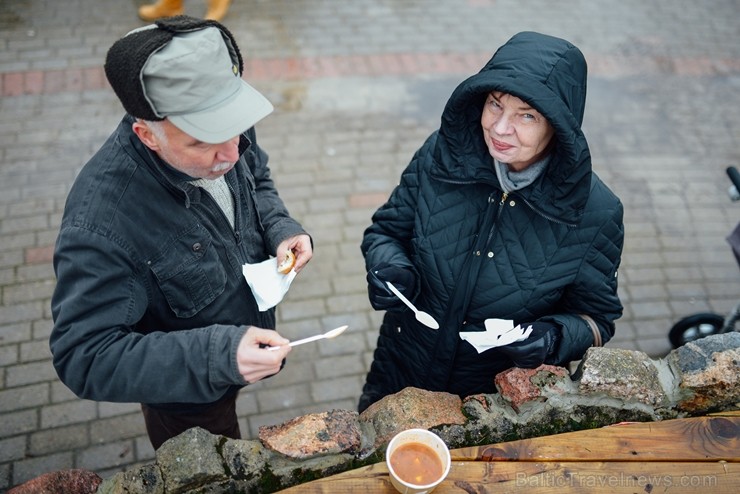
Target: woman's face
(515, 133)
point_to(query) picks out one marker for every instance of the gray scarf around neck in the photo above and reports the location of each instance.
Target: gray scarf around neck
(513, 180)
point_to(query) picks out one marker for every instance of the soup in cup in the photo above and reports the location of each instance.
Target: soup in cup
(417, 460)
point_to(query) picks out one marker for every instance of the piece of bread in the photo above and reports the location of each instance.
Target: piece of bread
(287, 263)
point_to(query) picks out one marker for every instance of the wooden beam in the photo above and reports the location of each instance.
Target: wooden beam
(691, 455)
(695, 439)
(479, 477)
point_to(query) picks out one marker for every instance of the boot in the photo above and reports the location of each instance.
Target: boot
(163, 8)
(217, 9)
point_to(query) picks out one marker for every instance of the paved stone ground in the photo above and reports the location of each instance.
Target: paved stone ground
(358, 85)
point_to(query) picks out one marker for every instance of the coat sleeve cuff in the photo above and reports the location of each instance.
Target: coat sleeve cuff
(222, 365)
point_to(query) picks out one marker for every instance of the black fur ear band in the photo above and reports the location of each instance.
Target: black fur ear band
(126, 58)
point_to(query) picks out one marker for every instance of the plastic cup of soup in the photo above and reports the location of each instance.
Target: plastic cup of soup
(417, 460)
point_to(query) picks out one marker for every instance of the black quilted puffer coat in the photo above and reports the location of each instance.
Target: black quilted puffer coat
(547, 252)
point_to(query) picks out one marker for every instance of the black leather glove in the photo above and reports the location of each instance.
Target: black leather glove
(381, 297)
(535, 350)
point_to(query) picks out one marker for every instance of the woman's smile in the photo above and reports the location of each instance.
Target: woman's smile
(500, 145)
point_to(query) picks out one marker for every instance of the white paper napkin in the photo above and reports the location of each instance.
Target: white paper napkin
(268, 286)
(499, 332)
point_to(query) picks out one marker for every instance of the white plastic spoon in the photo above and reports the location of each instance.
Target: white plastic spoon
(329, 334)
(421, 316)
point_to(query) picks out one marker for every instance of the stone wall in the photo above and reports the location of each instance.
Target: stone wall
(609, 386)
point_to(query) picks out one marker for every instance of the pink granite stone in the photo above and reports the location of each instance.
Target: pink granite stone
(62, 481)
(308, 436)
(519, 386)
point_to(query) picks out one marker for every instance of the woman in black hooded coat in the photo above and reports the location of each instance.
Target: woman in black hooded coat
(468, 236)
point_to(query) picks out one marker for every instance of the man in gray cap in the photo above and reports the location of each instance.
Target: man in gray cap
(151, 305)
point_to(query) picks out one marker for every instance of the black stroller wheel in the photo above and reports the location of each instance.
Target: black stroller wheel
(696, 326)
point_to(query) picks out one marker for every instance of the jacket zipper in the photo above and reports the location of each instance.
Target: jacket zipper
(237, 217)
(498, 215)
(234, 229)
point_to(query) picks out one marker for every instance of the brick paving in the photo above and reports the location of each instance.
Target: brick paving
(357, 86)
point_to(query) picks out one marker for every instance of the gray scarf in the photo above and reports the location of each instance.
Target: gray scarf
(513, 180)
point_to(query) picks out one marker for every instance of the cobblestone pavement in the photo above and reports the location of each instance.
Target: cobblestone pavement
(358, 85)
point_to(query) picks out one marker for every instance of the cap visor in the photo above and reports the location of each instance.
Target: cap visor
(229, 119)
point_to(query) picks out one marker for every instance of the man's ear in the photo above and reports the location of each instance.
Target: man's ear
(145, 135)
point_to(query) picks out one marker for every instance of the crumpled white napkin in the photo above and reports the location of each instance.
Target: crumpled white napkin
(268, 286)
(499, 332)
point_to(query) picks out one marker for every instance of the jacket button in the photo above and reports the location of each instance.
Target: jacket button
(490, 254)
(196, 247)
(512, 203)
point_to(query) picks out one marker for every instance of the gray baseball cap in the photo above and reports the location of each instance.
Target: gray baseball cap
(194, 80)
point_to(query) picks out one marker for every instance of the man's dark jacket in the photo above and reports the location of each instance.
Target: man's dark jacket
(548, 252)
(150, 302)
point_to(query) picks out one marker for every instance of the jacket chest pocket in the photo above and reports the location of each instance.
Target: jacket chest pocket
(189, 272)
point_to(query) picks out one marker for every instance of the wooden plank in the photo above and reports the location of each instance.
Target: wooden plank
(691, 455)
(693, 439)
(726, 413)
(548, 478)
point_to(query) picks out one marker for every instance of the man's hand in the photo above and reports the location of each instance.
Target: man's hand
(301, 247)
(254, 360)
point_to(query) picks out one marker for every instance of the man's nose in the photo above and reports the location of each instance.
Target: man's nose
(229, 150)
